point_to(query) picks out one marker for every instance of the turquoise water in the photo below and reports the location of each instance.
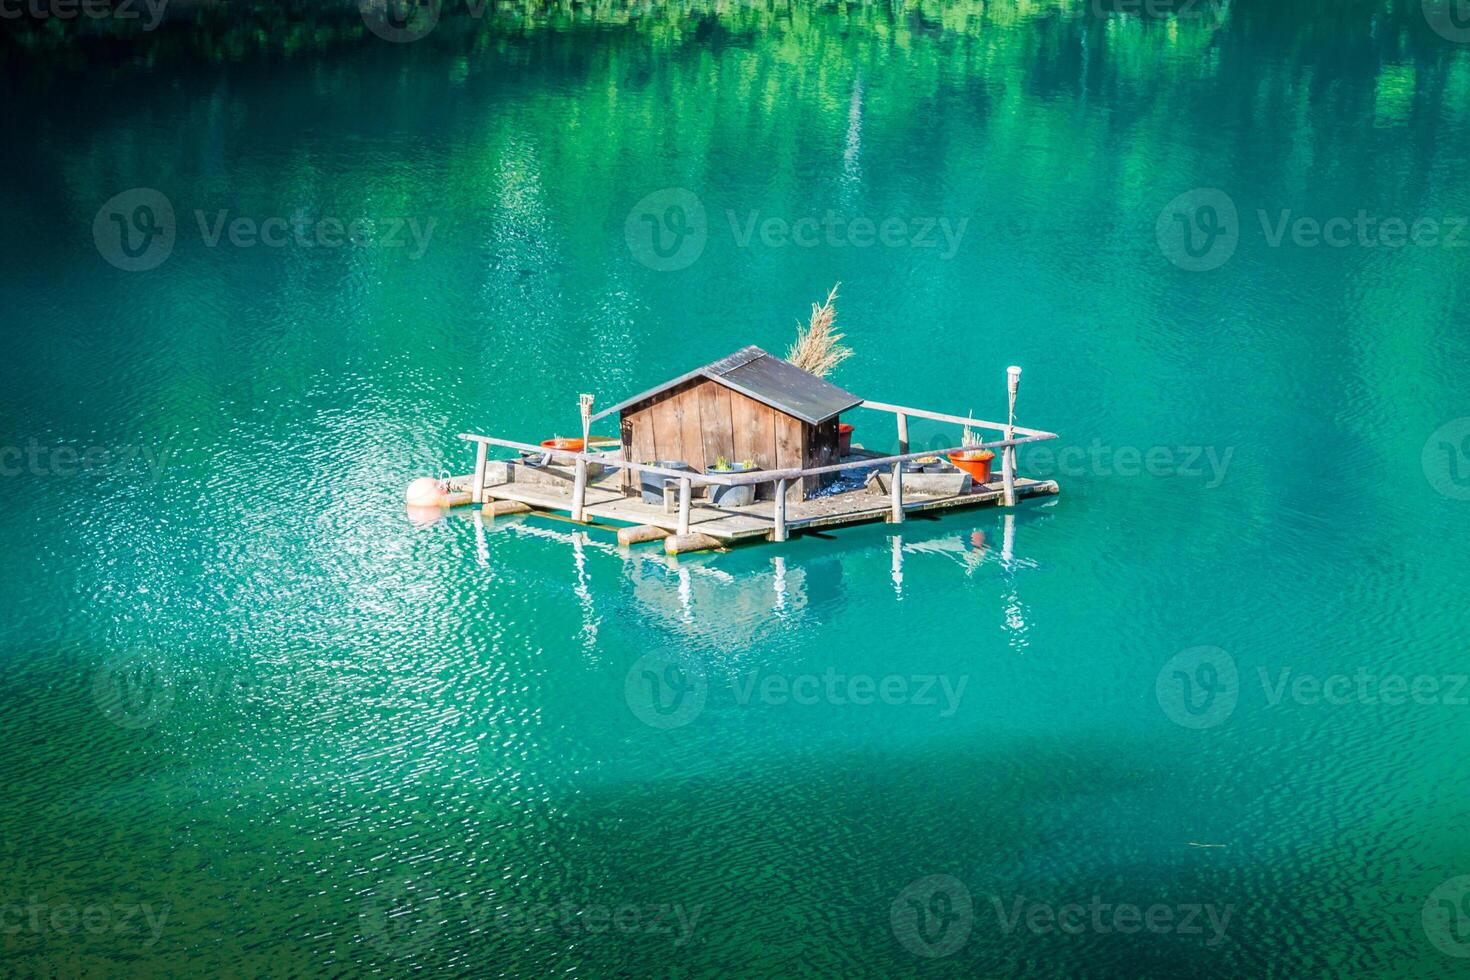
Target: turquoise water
(1202, 712)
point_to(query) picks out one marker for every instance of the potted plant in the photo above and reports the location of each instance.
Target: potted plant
(924, 464)
(722, 496)
(975, 462)
(652, 484)
(844, 439)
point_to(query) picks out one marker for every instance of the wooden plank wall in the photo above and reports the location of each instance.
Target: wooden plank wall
(703, 420)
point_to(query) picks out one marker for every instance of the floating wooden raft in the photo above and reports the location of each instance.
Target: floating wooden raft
(754, 521)
(586, 486)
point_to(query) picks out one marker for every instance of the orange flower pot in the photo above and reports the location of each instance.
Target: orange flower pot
(844, 439)
(978, 465)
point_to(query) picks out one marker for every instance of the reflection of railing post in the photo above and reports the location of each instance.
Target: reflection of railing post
(903, 433)
(778, 510)
(579, 491)
(477, 492)
(684, 493)
(897, 516)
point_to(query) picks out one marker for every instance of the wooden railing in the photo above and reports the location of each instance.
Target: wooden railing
(1014, 436)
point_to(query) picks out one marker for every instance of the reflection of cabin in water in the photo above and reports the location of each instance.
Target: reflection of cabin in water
(747, 406)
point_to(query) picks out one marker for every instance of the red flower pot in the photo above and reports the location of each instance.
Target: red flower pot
(978, 466)
(844, 439)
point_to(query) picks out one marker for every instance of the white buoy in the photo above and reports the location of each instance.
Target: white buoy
(424, 492)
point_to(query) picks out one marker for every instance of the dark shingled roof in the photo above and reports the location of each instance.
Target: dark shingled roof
(769, 380)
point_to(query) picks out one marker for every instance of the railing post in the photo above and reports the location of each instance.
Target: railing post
(477, 492)
(579, 491)
(779, 512)
(903, 433)
(1008, 453)
(897, 516)
(684, 493)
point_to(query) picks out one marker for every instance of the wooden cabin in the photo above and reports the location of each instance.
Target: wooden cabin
(747, 406)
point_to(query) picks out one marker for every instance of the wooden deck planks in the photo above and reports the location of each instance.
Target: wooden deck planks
(758, 519)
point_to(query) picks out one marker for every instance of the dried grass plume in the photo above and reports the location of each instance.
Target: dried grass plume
(818, 348)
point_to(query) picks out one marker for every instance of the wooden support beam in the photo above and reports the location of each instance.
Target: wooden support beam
(903, 433)
(1008, 474)
(778, 510)
(896, 516)
(640, 533)
(579, 491)
(676, 544)
(503, 508)
(686, 489)
(477, 489)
